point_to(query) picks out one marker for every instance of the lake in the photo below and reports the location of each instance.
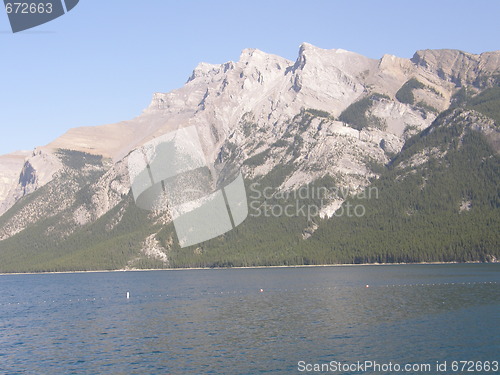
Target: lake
(250, 321)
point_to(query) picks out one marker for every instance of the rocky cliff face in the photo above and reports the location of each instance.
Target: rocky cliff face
(12, 165)
(330, 113)
(23, 173)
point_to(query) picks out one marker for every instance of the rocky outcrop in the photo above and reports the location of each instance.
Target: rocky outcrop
(11, 167)
(23, 173)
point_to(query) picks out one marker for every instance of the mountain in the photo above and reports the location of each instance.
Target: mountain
(416, 141)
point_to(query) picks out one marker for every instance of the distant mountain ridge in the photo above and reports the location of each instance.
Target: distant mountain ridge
(332, 117)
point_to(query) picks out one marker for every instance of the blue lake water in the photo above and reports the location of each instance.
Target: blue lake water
(220, 322)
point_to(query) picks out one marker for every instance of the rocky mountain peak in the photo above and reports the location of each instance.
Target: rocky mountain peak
(253, 55)
(346, 61)
(203, 69)
(457, 66)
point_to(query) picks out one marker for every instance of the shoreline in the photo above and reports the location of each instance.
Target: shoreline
(239, 267)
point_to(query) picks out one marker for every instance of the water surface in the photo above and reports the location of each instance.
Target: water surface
(220, 322)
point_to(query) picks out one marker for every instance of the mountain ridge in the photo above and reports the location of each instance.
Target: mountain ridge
(332, 117)
(250, 55)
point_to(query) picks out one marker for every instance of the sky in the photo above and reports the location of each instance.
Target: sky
(102, 61)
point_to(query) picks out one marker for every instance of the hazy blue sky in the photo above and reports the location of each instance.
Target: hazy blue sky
(101, 62)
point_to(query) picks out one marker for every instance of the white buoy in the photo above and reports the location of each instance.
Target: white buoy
(128, 295)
